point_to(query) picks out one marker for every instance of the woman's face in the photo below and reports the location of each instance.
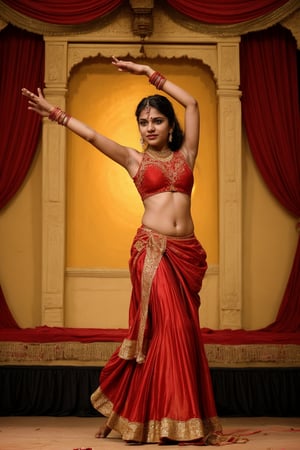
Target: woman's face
(154, 128)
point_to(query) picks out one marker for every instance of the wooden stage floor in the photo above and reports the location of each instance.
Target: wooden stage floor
(68, 433)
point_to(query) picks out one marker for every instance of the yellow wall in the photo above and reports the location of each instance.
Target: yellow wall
(104, 209)
(269, 244)
(20, 249)
(269, 234)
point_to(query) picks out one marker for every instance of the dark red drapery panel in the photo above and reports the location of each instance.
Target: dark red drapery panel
(6, 318)
(22, 65)
(67, 12)
(225, 12)
(288, 317)
(271, 115)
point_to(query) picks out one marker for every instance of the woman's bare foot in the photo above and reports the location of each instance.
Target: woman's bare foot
(103, 432)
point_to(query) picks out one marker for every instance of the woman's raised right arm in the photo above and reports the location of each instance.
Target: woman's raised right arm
(124, 156)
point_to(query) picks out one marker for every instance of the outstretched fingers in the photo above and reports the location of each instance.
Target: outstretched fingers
(37, 102)
(129, 66)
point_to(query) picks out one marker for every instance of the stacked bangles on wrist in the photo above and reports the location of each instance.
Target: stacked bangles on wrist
(157, 79)
(59, 116)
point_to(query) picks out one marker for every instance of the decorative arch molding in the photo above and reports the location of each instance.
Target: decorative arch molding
(169, 40)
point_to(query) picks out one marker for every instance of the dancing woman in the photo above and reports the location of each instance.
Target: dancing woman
(156, 387)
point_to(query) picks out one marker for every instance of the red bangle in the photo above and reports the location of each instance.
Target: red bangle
(59, 116)
(55, 113)
(157, 79)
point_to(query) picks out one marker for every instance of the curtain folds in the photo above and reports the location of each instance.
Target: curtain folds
(270, 112)
(230, 18)
(54, 17)
(22, 64)
(219, 17)
(225, 12)
(71, 12)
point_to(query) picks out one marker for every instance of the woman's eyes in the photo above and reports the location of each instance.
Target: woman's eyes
(144, 123)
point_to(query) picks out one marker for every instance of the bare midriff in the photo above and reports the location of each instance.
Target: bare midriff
(169, 213)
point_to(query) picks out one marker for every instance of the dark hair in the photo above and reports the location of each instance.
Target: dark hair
(164, 106)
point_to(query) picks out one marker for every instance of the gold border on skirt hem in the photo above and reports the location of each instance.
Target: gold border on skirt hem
(155, 430)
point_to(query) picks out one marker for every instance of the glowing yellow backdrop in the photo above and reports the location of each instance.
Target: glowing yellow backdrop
(103, 208)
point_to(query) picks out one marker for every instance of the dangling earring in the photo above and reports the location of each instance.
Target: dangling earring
(170, 136)
(143, 144)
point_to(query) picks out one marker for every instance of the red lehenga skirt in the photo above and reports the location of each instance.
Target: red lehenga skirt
(157, 385)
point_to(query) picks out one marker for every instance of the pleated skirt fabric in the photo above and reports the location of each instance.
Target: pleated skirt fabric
(157, 387)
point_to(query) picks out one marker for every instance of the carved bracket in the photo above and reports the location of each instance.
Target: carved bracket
(142, 24)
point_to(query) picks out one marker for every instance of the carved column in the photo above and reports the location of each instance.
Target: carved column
(230, 198)
(54, 191)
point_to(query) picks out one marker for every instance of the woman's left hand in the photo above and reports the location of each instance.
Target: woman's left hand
(131, 67)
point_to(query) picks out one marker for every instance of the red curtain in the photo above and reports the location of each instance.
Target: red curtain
(72, 12)
(68, 12)
(225, 12)
(22, 65)
(270, 110)
(6, 318)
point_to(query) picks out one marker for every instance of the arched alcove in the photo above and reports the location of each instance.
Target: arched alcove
(104, 208)
(222, 56)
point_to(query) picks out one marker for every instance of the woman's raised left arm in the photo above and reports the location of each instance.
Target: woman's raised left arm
(192, 114)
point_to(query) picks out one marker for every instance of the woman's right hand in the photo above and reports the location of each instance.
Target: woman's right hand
(38, 103)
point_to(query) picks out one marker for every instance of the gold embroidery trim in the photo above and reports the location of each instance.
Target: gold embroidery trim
(127, 349)
(154, 430)
(156, 247)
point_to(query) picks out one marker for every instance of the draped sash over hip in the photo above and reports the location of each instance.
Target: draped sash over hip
(155, 248)
(151, 247)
